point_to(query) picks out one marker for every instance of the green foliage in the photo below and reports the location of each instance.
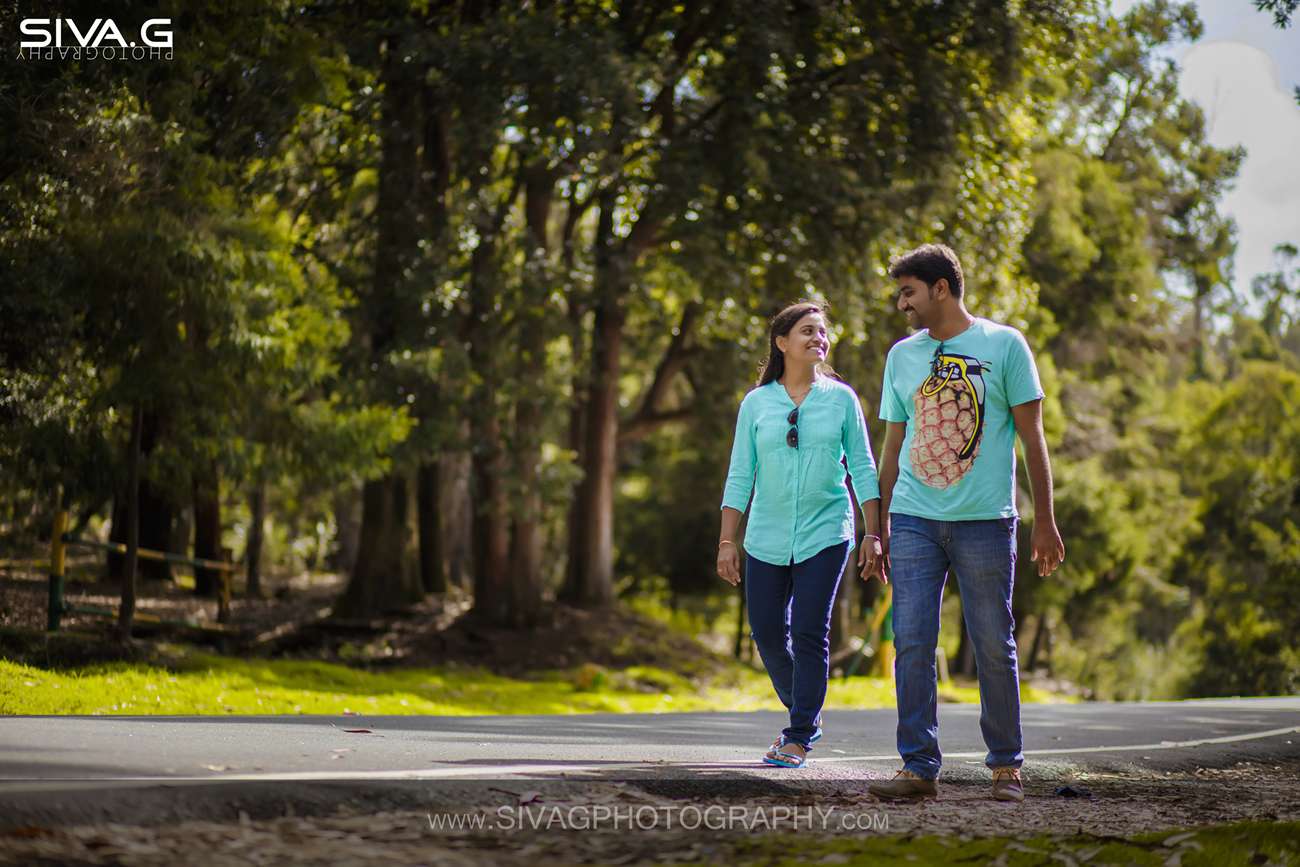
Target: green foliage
(1281, 10)
(375, 239)
(1243, 457)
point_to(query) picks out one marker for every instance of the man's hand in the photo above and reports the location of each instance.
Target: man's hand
(1047, 549)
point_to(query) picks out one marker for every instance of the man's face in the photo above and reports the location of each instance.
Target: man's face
(917, 300)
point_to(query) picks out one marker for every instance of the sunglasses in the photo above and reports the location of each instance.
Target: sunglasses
(792, 435)
(936, 363)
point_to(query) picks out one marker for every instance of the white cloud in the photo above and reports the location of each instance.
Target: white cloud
(1246, 103)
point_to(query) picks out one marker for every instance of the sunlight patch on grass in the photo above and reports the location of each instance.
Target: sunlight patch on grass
(206, 684)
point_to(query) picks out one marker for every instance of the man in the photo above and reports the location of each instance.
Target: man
(955, 395)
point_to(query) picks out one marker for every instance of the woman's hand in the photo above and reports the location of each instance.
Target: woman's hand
(871, 559)
(729, 563)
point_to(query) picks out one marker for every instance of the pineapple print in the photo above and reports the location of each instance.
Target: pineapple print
(949, 419)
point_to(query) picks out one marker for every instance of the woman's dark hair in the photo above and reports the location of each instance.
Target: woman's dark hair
(773, 367)
(930, 263)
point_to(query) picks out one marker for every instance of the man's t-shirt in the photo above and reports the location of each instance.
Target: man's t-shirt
(958, 461)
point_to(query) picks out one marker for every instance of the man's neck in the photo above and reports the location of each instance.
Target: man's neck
(954, 321)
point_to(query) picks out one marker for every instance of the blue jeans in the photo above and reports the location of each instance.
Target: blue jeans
(983, 556)
(790, 620)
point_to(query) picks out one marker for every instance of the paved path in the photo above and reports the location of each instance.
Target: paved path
(66, 752)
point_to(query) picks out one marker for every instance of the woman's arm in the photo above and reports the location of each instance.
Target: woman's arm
(740, 473)
(728, 547)
(736, 493)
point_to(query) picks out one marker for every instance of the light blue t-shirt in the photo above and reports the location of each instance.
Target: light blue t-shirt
(801, 504)
(958, 461)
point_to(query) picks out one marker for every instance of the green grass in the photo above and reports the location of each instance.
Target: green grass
(1244, 843)
(207, 684)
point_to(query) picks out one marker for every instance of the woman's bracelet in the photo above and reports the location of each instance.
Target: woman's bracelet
(725, 542)
(871, 536)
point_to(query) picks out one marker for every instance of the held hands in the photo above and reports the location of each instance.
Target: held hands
(729, 562)
(872, 559)
(1047, 549)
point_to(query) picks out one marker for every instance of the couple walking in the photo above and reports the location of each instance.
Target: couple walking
(955, 395)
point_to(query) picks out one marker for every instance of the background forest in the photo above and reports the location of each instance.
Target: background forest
(465, 295)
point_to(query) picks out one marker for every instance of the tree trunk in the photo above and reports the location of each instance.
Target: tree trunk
(384, 579)
(385, 576)
(207, 528)
(115, 564)
(347, 520)
(594, 584)
(156, 511)
(126, 611)
(433, 576)
(491, 520)
(156, 514)
(456, 506)
(156, 518)
(492, 524)
(182, 528)
(595, 577)
(491, 530)
(526, 582)
(526, 544)
(1199, 302)
(577, 444)
(256, 530)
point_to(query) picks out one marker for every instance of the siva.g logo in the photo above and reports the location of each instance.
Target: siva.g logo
(102, 39)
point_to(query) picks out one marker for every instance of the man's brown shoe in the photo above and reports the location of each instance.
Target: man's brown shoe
(904, 786)
(1007, 785)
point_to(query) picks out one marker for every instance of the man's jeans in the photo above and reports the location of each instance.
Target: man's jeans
(790, 620)
(983, 556)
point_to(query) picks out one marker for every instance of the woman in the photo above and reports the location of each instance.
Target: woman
(792, 431)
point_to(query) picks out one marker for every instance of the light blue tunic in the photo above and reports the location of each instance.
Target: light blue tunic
(801, 504)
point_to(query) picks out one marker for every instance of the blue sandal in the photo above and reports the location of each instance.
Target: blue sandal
(816, 736)
(781, 759)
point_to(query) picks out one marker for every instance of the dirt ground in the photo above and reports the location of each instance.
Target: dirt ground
(295, 622)
(622, 823)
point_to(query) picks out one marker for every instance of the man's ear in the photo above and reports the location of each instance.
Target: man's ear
(940, 289)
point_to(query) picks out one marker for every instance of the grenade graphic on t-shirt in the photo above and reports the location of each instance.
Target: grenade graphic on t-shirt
(948, 418)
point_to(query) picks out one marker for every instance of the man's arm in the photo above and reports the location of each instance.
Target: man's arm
(894, 433)
(1048, 551)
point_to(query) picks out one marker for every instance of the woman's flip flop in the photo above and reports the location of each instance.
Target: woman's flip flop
(816, 736)
(782, 759)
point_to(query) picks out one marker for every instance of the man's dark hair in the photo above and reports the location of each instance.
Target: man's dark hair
(930, 263)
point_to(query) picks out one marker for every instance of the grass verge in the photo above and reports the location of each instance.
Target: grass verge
(1242, 843)
(198, 683)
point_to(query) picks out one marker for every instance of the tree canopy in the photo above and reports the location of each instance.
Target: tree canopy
(475, 289)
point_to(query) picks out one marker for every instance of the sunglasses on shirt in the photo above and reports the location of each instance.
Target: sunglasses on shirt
(792, 435)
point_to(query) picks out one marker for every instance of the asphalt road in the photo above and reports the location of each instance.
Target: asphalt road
(70, 751)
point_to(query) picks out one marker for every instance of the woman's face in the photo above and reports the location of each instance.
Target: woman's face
(807, 342)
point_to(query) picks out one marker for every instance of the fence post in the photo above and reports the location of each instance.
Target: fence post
(54, 612)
